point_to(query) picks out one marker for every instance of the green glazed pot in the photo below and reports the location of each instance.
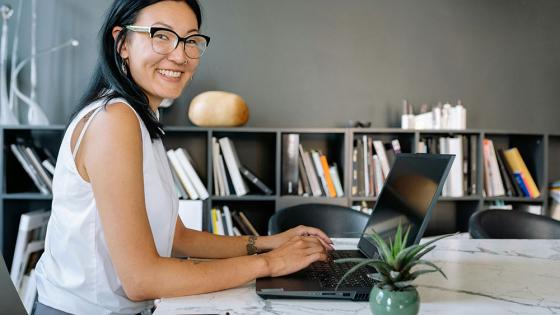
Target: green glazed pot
(384, 302)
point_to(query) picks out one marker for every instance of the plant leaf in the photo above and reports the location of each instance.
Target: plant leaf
(417, 273)
(378, 277)
(431, 264)
(381, 246)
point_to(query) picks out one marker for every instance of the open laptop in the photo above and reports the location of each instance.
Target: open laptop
(410, 192)
(9, 298)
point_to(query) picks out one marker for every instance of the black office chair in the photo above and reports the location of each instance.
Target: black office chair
(335, 221)
(512, 224)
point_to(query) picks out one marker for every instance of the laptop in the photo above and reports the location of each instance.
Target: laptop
(9, 298)
(408, 195)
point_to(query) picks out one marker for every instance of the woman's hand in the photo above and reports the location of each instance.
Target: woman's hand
(277, 240)
(294, 255)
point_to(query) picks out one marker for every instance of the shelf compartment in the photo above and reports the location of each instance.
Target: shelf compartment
(531, 148)
(12, 211)
(257, 212)
(16, 179)
(257, 152)
(196, 144)
(331, 144)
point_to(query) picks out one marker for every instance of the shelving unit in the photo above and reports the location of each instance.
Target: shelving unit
(260, 150)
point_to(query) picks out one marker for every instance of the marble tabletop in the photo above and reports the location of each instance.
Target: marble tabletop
(484, 277)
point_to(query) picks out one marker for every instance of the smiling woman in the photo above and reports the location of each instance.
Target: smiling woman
(114, 227)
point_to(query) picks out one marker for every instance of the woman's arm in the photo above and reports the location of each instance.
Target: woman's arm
(191, 243)
(112, 157)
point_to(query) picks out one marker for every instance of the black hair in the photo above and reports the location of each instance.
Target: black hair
(109, 80)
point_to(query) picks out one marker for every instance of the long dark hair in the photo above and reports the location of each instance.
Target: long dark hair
(109, 80)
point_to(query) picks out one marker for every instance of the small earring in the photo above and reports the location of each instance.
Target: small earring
(124, 66)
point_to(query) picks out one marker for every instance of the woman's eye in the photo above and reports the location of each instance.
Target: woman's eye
(161, 36)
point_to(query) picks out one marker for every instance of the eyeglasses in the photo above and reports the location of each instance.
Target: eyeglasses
(164, 40)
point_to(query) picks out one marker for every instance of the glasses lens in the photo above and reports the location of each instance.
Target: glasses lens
(164, 42)
(195, 46)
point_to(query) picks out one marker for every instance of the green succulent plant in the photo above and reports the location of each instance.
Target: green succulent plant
(395, 262)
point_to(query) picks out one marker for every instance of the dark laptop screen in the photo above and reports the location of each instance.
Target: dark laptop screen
(407, 197)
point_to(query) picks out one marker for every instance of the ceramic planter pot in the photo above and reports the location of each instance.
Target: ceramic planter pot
(384, 302)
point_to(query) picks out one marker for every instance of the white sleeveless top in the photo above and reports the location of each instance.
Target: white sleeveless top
(75, 273)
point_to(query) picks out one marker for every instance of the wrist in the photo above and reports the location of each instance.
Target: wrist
(265, 266)
(265, 243)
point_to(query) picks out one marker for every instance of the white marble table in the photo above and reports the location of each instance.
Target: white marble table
(484, 277)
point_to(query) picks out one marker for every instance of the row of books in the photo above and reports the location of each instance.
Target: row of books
(37, 162)
(462, 178)
(308, 173)
(30, 244)
(371, 163)
(506, 174)
(188, 183)
(228, 171)
(230, 223)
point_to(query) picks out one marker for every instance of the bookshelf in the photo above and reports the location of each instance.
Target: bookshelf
(260, 150)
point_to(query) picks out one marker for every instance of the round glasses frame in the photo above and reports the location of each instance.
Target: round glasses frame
(188, 40)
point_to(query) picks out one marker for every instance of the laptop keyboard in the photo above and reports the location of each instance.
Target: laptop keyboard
(329, 273)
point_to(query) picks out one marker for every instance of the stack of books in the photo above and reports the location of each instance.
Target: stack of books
(187, 181)
(462, 180)
(37, 162)
(30, 244)
(231, 223)
(308, 172)
(506, 174)
(229, 172)
(371, 163)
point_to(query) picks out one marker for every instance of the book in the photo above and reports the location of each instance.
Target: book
(496, 178)
(522, 184)
(181, 192)
(508, 185)
(225, 179)
(219, 222)
(378, 175)
(232, 163)
(248, 223)
(370, 170)
(29, 169)
(290, 171)
(360, 171)
(32, 227)
(216, 176)
(354, 189)
(255, 180)
(182, 175)
(473, 167)
(319, 169)
(336, 180)
(455, 180)
(187, 164)
(304, 185)
(516, 163)
(239, 223)
(516, 188)
(48, 166)
(228, 220)
(214, 221)
(190, 213)
(382, 155)
(311, 173)
(366, 152)
(36, 163)
(327, 174)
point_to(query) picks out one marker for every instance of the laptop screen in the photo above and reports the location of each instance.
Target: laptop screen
(407, 197)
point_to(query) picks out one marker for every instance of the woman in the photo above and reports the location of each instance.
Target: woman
(114, 224)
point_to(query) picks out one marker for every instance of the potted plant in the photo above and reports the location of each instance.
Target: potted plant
(394, 293)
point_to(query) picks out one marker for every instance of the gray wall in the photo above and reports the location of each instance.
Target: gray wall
(319, 63)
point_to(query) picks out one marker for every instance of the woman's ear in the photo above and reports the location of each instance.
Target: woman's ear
(123, 49)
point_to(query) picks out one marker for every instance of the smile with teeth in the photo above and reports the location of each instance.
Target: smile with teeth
(169, 73)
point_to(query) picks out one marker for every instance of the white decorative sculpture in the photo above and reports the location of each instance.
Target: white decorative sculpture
(7, 116)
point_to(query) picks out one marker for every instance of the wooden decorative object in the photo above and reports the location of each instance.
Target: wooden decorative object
(218, 109)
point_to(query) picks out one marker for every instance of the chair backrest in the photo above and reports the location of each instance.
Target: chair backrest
(512, 224)
(335, 221)
(10, 302)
